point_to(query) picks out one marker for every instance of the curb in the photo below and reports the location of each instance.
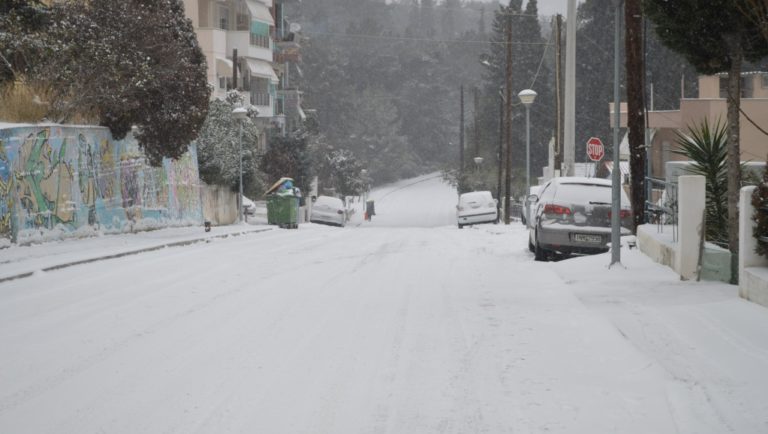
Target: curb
(129, 253)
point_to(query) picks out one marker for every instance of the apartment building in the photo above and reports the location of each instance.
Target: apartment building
(246, 26)
(711, 104)
(268, 53)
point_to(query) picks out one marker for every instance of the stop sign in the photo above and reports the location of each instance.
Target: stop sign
(595, 149)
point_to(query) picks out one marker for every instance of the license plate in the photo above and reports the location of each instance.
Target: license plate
(587, 238)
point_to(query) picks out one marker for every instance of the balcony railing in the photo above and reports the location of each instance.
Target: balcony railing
(261, 99)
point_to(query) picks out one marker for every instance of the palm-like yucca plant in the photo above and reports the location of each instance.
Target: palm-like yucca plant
(706, 147)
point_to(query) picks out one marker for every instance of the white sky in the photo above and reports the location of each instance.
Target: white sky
(546, 7)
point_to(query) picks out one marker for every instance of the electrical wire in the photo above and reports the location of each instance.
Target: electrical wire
(541, 62)
(404, 38)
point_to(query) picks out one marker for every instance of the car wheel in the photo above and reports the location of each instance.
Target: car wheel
(530, 245)
(461, 226)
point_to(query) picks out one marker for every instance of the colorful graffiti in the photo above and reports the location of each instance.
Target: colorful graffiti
(62, 179)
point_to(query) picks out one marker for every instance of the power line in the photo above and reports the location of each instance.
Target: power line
(404, 38)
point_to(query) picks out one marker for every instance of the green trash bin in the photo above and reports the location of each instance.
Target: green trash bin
(283, 211)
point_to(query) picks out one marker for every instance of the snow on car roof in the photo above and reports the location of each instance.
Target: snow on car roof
(582, 180)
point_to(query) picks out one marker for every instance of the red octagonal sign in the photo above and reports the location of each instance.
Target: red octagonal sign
(595, 149)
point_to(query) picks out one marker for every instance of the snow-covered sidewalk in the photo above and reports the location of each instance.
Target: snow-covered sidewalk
(22, 261)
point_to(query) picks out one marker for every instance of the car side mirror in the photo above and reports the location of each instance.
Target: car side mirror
(532, 198)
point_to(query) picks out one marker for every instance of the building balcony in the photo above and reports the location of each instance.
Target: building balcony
(241, 40)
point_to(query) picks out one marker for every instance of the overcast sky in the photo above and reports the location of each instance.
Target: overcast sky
(546, 7)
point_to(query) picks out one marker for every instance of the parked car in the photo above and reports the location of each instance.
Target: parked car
(572, 215)
(249, 208)
(328, 210)
(476, 207)
(534, 190)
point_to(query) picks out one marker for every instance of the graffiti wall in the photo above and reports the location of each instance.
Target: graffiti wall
(65, 181)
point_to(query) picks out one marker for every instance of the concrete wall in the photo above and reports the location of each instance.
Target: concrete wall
(68, 181)
(681, 255)
(753, 268)
(219, 205)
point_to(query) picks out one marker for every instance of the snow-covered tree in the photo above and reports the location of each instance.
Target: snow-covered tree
(218, 151)
(130, 63)
(21, 25)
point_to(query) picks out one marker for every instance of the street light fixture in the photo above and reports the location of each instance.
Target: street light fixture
(527, 97)
(478, 161)
(240, 114)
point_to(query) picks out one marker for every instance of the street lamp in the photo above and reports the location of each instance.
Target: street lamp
(527, 97)
(478, 162)
(240, 114)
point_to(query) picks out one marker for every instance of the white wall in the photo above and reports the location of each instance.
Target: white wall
(219, 205)
(753, 268)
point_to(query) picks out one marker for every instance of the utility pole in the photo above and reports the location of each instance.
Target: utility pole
(500, 152)
(508, 120)
(461, 142)
(633, 47)
(616, 173)
(234, 69)
(559, 92)
(569, 145)
(477, 124)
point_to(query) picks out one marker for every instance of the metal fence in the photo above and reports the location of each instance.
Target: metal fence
(661, 205)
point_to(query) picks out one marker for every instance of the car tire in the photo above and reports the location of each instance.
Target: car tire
(530, 245)
(461, 226)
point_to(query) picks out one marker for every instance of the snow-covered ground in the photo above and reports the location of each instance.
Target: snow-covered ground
(404, 324)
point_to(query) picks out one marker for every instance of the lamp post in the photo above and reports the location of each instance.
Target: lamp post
(240, 114)
(527, 97)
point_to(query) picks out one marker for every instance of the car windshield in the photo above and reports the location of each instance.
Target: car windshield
(329, 201)
(480, 196)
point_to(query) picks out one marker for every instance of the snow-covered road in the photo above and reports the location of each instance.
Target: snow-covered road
(400, 325)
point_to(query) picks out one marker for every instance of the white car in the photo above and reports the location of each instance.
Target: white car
(328, 210)
(476, 207)
(249, 208)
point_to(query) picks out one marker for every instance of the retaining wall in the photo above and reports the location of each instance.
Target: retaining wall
(60, 181)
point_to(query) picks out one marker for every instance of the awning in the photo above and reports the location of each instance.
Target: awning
(259, 12)
(261, 68)
(223, 67)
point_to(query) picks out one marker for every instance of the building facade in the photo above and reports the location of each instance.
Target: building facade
(252, 42)
(711, 105)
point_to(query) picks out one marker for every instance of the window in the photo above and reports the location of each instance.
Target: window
(260, 91)
(242, 17)
(225, 82)
(764, 79)
(746, 87)
(223, 17)
(259, 34)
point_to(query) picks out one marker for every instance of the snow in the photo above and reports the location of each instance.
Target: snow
(404, 324)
